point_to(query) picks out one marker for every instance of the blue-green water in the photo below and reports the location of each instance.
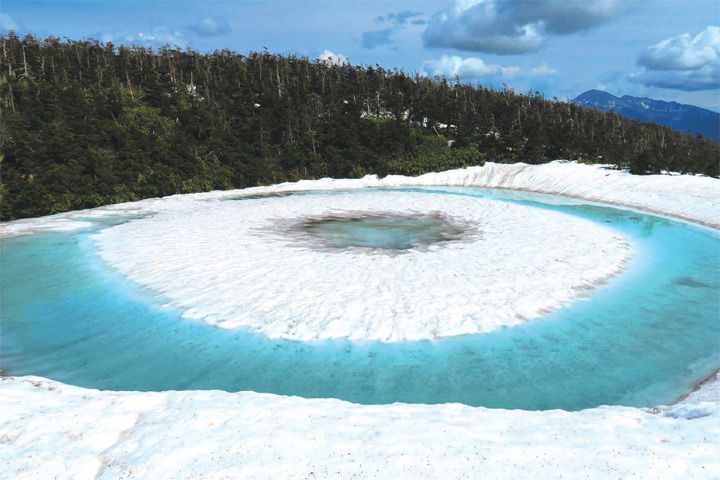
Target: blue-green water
(644, 339)
(389, 232)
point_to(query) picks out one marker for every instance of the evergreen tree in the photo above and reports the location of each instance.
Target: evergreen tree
(86, 123)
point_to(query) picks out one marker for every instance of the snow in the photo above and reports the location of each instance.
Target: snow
(51, 430)
(695, 198)
(34, 225)
(294, 289)
(692, 198)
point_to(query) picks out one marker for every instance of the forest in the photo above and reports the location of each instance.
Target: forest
(86, 123)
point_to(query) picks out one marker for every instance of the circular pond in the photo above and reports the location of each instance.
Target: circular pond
(641, 337)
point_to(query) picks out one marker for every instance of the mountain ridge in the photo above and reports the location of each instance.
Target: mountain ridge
(681, 117)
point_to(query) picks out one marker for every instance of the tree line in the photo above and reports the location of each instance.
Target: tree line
(86, 123)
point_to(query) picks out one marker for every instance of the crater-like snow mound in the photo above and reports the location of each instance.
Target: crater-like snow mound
(238, 263)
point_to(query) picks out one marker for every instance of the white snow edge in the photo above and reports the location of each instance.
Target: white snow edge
(695, 198)
(51, 430)
(420, 295)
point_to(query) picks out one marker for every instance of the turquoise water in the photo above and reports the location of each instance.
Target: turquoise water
(390, 232)
(644, 339)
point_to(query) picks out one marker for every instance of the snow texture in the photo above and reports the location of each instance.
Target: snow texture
(233, 264)
(695, 198)
(51, 430)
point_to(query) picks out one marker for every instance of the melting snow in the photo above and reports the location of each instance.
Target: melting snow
(519, 263)
(51, 430)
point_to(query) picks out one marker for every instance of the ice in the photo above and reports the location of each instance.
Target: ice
(242, 264)
(689, 413)
(28, 227)
(51, 430)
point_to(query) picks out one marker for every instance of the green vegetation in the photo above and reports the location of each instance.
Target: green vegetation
(86, 124)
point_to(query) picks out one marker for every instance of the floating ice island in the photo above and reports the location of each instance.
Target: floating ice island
(270, 264)
(52, 430)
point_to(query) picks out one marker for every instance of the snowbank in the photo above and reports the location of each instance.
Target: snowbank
(50, 430)
(693, 198)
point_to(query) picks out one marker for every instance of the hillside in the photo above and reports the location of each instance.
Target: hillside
(87, 123)
(683, 118)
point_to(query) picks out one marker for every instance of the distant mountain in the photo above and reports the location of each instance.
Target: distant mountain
(684, 118)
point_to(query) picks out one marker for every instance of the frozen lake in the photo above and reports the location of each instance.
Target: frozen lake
(643, 339)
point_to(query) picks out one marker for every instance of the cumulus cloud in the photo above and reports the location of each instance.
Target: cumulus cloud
(211, 26)
(473, 68)
(465, 68)
(8, 24)
(543, 69)
(682, 62)
(506, 27)
(155, 37)
(333, 58)
(684, 52)
(372, 39)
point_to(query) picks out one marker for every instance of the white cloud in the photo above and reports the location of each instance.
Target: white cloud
(543, 69)
(155, 37)
(466, 68)
(507, 27)
(333, 58)
(682, 62)
(684, 52)
(510, 71)
(8, 24)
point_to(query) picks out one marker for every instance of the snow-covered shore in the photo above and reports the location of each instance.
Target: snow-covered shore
(693, 198)
(689, 197)
(51, 430)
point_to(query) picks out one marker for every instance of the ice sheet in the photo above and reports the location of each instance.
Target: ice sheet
(233, 264)
(51, 430)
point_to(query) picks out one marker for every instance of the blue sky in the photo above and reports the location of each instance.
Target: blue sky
(663, 49)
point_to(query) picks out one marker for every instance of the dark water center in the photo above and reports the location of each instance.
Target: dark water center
(391, 232)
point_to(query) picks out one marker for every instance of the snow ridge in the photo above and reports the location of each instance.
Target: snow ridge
(695, 198)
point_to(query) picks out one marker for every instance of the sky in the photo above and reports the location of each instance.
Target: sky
(662, 49)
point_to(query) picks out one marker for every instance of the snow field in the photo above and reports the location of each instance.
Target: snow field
(51, 430)
(233, 264)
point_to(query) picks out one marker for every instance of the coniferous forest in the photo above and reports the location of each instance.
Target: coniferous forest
(85, 124)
